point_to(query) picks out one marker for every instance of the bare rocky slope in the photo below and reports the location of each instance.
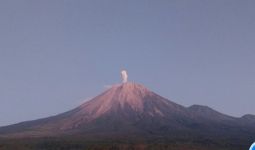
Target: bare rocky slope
(131, 111)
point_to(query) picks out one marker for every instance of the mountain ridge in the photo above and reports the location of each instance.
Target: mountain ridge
(130, 109)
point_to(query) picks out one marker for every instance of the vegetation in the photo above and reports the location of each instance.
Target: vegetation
(81, 144)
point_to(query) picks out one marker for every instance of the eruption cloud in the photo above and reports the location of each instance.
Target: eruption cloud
(124, 76)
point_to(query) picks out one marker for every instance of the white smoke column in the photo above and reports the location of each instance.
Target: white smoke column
(124, 76)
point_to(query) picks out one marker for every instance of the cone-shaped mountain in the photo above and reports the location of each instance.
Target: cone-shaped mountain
(132, 110)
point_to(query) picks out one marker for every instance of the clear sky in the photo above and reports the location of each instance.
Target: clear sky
(56, 54)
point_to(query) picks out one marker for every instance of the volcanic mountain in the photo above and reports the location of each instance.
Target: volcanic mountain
(130, 110)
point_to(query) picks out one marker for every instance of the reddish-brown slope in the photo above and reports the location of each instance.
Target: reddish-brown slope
(130, 109)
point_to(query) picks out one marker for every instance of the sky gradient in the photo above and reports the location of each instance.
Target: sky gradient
(56, 54)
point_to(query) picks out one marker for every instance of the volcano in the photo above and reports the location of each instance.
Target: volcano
(131, 111)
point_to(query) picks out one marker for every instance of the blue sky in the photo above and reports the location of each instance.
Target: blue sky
(55, 54)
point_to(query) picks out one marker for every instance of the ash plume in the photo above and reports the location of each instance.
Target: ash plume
(124, 76)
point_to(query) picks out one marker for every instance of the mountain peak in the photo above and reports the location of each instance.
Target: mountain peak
(127, 94)
(131, 109)
(131, 89)
(119, 97)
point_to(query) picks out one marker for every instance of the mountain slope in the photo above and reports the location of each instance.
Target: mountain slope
(131, 110)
